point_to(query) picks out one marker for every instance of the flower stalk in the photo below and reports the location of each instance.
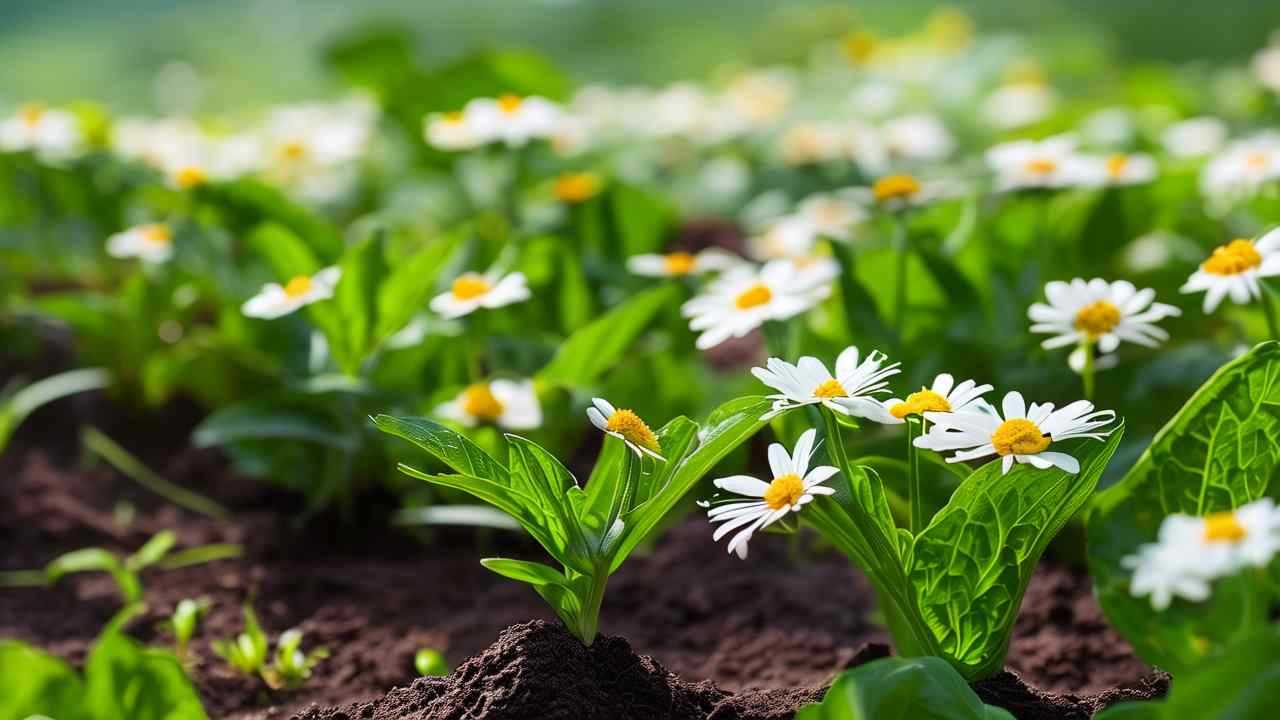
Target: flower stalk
(915, 428)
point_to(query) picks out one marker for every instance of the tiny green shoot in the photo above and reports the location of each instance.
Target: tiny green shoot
(430, 663)
(248, 653)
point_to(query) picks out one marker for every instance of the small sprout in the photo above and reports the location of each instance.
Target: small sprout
(430, 663)
(292, 667)
(186, 618)
(248, 654)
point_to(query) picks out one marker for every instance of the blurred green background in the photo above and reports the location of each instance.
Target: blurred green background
(141, 55)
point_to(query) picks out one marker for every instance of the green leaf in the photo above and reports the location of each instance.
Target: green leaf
(251, 422)
(1219, 452)
(285, 252)
(96, 560)
(356, 295)
(449, 447)
(125, 680)
(16, 408)
(526, 572)
(538, 474)
(923, 688)
(960, 291)
(641, 218)
(411, 284)
(970, 567)
(33, 682)
(255, 202)
(597, 347)
(861, 315)
(152, 552)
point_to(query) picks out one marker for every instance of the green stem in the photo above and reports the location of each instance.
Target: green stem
(131, 467)
(902, 247)
(1086, 373)
(915, 428)
(1269, 310)
(589, 620)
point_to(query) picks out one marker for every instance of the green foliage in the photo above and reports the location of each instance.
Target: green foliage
(1218, 453)
(124, 570)
(596, 347)
(249, 653)
(924, 688)
(184, 623)
(16, 406)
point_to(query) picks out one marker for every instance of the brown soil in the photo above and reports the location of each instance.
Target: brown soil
(750, 639)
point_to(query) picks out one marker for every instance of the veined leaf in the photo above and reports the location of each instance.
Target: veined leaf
(921, 688)
(1219, 452)
(970, 567)
(539, 475)
(526, 572)
(595, 348)
(449, 447)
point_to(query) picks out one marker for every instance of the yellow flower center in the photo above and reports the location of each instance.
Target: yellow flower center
(577, 187)
(895, 187)
(918, 403)
(1223, 527)
(1097, 319)
(754, 296)
(1041, 166)
(157, 234)
(784, 491)
(860, 46)
(293, 150)
(31, 114)
(1019, 437)
(1116, 165)
(478, 401)
(629, 425)
(453, 117)
(830, 389)
(679, 263)
(190, 176)
(1233, 258)
(470, 286)
(510, 103)
(298, 286)
(1257, 161)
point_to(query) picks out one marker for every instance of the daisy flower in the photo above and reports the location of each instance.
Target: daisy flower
(151, 243)
(1050, 163)
(626, 426)
(451, 131)
(899, 191)
(1234, 270)
(944, 396)
(830, 215)
(850, 391)
(472, 291)
(812, 144)
(509, 404)
(1243, 166)
(1196, 137)
(680, 263)
(1191, 552)
(793, 486)
(917, 137)
(277, 300)
(1097, 311)
(1018, 104)
(51, 134)
(1022, 435)
(1120, 169)
(513, 119)
(745, 298)
(785, 237)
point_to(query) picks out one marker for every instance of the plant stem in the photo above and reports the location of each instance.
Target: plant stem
(902, 247)
(1269, 310)
(915, 428)
(132, 468)
(589, 620)
(1086, 373)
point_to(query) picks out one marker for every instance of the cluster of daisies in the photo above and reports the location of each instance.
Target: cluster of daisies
(955, 416)
(1191, 552)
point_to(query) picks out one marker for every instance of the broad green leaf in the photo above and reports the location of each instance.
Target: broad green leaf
(970, 567)
(449, 447)
(922, 688)
(597, 347)
(409, 287)
(538, 474)
(861, 315)
(1219, 452)
(33, 682)
(255, 202)
(677, 438)
(250, 422)
(641, 218)
(356, 295)
(527, 572)
(125, 680)
(960, 291)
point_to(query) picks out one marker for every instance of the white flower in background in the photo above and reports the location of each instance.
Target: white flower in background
(1101, 313)
(679, 263)
(150, 243)
(903, 190)
(943, 396)
(793, 486)
(206, 159)
(320, 134)
(679, 110)
(52, 134)
(1118, 169)
(1195, 137)
(831, 215)
(812, 143)
(865, 146)
(874, 98)
(760, 97)
(1191, 552)
(472, 291)
(509, 404)
(154, 142)
(626, 426)
(1243, 166)
(451, 132)
(1235, 269)
(785, 237)
(513, 119)
(1109, 127)
(850, 391)
(918, 137)
(1018, 105)
(1266, 66)
(1022, 435)
(1049, 163)
(814, 271)
(277, 300)
(745, 298)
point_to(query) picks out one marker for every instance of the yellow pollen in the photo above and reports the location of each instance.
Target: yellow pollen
(157, 234)
(189, 177)
(509, 103)
(754, 296)
(1257, 161)
(830, 389)
(1041, 166)
(577, 187)
(31, 114)
(1019, 437)
(895, 187)
(470, 286)
(784, 491)
(1233, 258)
(298, 286)
(1223, 527)
(293, 150)
(1097, 319)
(478, 401)
(629, 425)
(918, 403)
(679, 263)
(1116, 165)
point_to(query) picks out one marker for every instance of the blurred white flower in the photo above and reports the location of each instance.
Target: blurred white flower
(451, 132)
(1243, 166)
(1117, 169)
(277, 300)
(1196, 137)
(676, 264)
(1049, 163)
(1236, 270)
(1109, 127)
(473, 291)
(509, 404)
(831, 214)
(744, 298)
(1266, 67)
(1018, 105)
(53, 135)
(785, 237)
(513, 119)
(151, 243)
(812, 143)
(919, 137)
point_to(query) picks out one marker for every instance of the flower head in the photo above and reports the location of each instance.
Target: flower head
(472, 291)
(1118, 169)
(151, 243)
(918, 137)
(1194, 137)
(512, 119)
(793, 486)
(1100, 312)
(680, 263)
(452, 131)
(944, 396)
(745, 298)
(1050, 163)
(850, 391)
(626, 426)
(509, 404)
(1022, 435)
(1234, 270)
(1242, 167)
(53, 135)
(277, 300)
(577, 187)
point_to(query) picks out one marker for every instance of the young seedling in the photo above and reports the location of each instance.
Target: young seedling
(183, 624)
(248, 654)
(430, 663)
